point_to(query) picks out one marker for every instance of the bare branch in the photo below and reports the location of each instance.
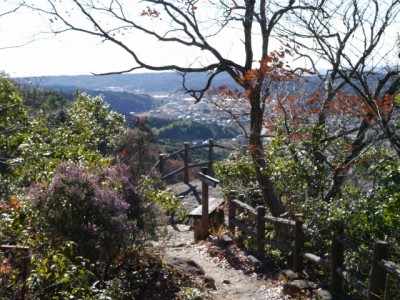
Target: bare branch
(17, 7)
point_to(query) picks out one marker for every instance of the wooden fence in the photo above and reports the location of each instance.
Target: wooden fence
(380, 265)
(187, 161)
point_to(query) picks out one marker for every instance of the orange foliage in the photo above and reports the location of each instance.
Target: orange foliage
(16, 204)
(5, 267)
(358, 107)
(269, 124)
(349, 105)
(386, 104)
(13, 204)
(272, 67)
(225, 92)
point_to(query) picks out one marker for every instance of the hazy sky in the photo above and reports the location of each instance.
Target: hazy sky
(66, 54)
(71, 53)
(75, 53)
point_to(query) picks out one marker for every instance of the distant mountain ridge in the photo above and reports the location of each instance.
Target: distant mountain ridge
(169, 82)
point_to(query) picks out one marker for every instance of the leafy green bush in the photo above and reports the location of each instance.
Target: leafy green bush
(170, 205)
(56, 273)
(237, 173)
(14, 126)
(15, 229)
(86, 136)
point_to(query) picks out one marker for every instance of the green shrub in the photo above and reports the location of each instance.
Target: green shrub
(56, 273)
(86, 135)
(164, 199)
(237, 173)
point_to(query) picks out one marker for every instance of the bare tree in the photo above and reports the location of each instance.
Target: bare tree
(255, 27)
(352, 38)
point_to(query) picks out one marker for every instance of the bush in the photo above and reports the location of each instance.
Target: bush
(237, 173)
(164, 199)
(14, 230)
(100, 211)
(136, 147)
(86, 134)
(56, 273)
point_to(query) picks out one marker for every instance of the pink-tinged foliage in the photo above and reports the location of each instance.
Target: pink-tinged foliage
(99, 210)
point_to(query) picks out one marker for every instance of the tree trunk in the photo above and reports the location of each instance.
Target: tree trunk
(340, 174)
(256, 150)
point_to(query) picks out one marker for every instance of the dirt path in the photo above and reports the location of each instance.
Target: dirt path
(229, 267)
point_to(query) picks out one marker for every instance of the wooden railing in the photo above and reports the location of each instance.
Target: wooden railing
(380, 265)
(187, 161)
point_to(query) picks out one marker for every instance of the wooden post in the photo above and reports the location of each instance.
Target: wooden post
(337, 250)
(231, 211)
(260, 232)
(197, 231)
(161, 164)
(210, 156)
(186, 161)
(377, 278)
(204, 205)
(298, 244)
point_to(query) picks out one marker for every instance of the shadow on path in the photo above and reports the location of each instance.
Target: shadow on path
(193, 191)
